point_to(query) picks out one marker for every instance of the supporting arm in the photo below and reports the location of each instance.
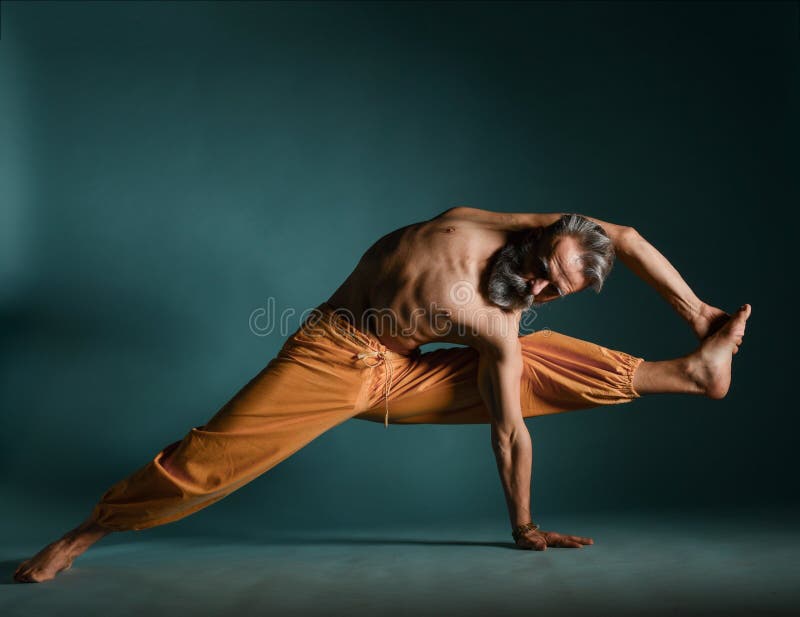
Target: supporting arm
(499, 375)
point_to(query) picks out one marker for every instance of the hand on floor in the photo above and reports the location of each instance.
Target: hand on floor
(540, 540)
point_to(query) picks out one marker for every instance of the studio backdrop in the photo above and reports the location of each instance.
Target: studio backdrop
(180, 181)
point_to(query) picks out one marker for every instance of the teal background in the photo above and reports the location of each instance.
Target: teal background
(167, 168)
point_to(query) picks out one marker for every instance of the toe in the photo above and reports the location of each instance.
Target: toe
(23, 577)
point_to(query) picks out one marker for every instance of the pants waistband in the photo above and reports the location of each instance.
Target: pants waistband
(375, 352)
(343, 324)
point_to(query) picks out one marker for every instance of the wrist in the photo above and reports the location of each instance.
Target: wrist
(520, 530)
(521, 516)
(692, 311)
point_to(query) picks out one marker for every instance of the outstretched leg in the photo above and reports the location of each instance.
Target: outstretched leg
(560, 373)
(314, 384)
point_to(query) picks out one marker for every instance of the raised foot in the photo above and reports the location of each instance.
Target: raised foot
(710, 364)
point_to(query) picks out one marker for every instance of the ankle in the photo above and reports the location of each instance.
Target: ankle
(86, 534)
(693, 369)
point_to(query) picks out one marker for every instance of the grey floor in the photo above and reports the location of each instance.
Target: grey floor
(706, 563)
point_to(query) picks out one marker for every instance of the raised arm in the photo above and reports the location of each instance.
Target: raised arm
(656, 270)
(636, 253)
(652, 267)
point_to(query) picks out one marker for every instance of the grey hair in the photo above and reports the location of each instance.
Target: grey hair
(598, 249)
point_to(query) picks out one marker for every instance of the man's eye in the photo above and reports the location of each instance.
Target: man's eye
(544, 271)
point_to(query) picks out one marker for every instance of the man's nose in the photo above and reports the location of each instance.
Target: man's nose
(538, 285)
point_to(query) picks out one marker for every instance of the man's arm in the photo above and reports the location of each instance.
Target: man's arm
(499, 376)
(651, 266)
(648, 264)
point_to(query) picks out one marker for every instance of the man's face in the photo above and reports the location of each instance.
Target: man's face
(552, 270)
(556, 270)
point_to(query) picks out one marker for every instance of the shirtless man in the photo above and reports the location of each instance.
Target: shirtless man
(466, 276)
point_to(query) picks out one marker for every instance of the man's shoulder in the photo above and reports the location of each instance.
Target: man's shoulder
(487, 327)
(500, 221)
(465, 212)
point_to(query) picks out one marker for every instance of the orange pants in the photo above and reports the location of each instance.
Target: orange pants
(329, 372)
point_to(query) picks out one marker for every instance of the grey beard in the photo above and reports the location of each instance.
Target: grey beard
(506, 288)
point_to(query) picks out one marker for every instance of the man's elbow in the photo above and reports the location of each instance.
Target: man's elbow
(625, 237)
(628, 233)
(506, 434)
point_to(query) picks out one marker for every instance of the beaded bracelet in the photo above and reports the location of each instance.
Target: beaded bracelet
(519, 530)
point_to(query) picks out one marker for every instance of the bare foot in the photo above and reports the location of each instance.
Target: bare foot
(710, 365)
(58, 556)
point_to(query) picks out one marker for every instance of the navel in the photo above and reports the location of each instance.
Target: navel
(448, 230)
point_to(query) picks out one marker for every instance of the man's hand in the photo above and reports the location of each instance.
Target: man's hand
(539, 540)
(707, 320)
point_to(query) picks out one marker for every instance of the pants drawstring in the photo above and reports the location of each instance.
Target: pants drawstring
(388, 374)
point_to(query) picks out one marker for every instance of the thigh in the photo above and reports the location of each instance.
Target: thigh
(299, 395)
(437, 387)
(310, 387)
(560, 373)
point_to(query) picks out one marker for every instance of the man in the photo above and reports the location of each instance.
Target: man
(466, 276)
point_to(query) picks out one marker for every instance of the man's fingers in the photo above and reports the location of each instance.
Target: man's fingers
(564, 542)
(539, 541)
